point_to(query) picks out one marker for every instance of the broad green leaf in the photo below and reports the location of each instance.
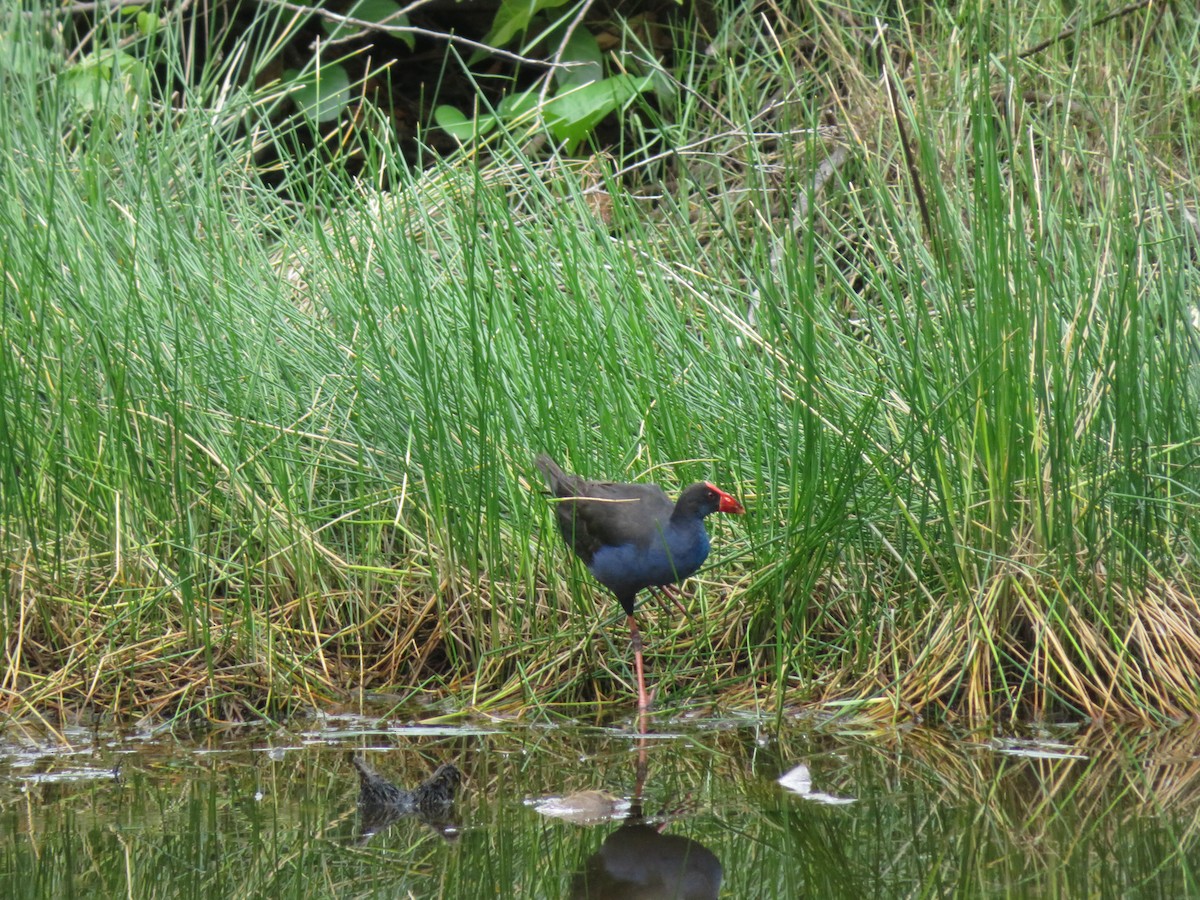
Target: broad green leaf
(514, 16)
(514, 106)
(97, 77)
(572, 116)
(583, 52)
(321, 95)
(381, 12)
(23, 56)
(459, 127)
(148, 22)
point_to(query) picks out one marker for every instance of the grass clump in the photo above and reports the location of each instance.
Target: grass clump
(927, 302)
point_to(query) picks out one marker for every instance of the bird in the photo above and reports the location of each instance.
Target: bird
(632, 537)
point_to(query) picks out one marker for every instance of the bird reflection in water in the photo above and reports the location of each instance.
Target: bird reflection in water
(637, 861)
(381, 804)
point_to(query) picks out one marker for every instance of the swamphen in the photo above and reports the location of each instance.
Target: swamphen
(631, 536)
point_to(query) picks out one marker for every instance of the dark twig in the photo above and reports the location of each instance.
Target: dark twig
(556, 60)
(1095, 23)
(910, 156)
(73, 9)
(825, 170)
(412, 29)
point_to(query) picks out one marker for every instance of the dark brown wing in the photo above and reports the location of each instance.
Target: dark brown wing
(595, 514)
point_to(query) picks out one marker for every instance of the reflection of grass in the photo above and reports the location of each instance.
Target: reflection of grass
(254, 460)
(971, 821)
(930, 809)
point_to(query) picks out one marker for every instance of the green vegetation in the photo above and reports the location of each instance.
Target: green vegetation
(924, 292)
(1105, 813)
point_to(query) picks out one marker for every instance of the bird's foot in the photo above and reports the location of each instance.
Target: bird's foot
(664, 592)
(646, 701)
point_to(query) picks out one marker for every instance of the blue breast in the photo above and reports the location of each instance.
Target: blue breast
(669, 558)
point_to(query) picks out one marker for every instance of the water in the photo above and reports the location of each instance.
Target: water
(695, 808)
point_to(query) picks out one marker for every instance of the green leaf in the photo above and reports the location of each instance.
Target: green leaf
(513, 18)
(320, 95)
(459, 127)
(573, 116)
(583, 52)
(515, 106)
(148, 23)
(23, 56)
(99, 78)
(381, 12)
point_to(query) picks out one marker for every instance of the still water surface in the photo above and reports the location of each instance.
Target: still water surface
(698, 807)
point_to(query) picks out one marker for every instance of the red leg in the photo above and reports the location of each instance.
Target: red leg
(671, 593)
(635, 638)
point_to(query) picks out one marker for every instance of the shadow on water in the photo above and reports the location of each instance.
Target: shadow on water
(692, 808)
